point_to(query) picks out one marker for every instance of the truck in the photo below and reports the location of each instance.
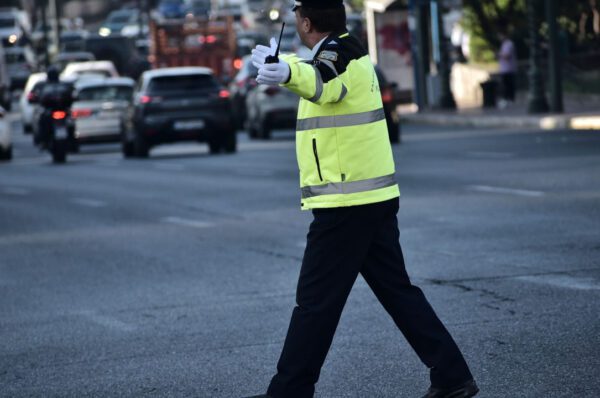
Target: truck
(194, 42)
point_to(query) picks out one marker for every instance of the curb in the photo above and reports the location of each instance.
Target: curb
(554, 122)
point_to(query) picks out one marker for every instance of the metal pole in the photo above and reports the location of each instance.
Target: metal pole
(43, 6)
(554, 61)
(446, 100)
(537, 94)
(423, 53)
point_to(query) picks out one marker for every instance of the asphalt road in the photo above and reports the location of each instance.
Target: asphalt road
(175, 276)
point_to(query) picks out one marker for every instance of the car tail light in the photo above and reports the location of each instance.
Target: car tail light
(238, 63)
(272, 90)
(31, 96)
(81, 113)
(386, 96)
(224, 93)
(146, 99)
(210, 39)
(59, 115)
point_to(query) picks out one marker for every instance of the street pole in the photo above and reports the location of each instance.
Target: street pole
(421, 64)
(43, 5)
(554, 61)
(537, 95)
(446, 100)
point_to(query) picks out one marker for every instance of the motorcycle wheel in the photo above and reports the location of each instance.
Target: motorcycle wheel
(59, 151)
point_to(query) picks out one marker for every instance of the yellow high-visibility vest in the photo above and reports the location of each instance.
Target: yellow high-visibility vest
(342, 142)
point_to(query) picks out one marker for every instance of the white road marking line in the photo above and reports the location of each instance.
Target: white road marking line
(565, 281)
(491, 155)
(15, 191)
(169, 166)
(88, 202)
(109, 322)
(506, 191)
(187, 223)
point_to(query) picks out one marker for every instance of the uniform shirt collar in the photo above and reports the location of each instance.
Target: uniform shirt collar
(317, 46)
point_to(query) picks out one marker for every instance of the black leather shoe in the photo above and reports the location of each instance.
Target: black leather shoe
(465, 390)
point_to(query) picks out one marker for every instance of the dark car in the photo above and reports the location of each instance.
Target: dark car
(179, 104)
(390, 98)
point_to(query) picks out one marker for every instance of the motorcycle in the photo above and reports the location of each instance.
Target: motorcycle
(59, 140)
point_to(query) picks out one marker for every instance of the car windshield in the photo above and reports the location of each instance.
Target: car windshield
(105, 93)
(7, 22)
(119, 18)
(181, 83)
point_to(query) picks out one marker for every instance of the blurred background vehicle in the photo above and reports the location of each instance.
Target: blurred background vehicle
(179, 104)
(73, 40)
(27, 108)
(269, 108)
(14, 25)
(20, 63)
(5, 94)
(197, 8)
(390, 96)
(64, 58)
(172, 9)
(5, 136)
(99, 109)
(242, 84)
(75, 70)
(117, 20)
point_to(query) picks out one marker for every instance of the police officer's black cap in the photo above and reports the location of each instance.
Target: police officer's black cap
(318, 4)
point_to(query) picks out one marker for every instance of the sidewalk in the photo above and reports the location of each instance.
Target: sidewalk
(581, 113)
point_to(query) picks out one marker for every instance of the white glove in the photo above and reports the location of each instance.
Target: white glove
(274, 74)
(261, 52)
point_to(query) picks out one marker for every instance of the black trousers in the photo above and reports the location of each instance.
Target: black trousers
(343, 242)
(509, 86)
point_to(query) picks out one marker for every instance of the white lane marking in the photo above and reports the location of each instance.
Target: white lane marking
(491, 155)
(187, 223)
(169, 166)
(88, 202)
(565, 281)
(16, 191)
(506, 191)
(107, 321)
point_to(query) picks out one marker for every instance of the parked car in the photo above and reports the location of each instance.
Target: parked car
(20, 63)
(269, 108)
(75, 70)
(117, 20)
(5, 138)
(390, 98)
(10, 28)
(179, 104)
(242, 84)
(65, 58)
(27, 108)
(100, 108)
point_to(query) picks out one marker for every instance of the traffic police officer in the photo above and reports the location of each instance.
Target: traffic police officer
(347, 180)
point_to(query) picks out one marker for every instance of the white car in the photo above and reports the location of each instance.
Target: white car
(5, 138)
(75, 70)
(27, 108)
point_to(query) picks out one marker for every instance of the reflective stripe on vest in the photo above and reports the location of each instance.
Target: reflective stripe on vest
(318, 85)
(354, 119)
(333, 188)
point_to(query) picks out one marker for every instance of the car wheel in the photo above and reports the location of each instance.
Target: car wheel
(127, 148)
(141, 147)
(214, 145)
(27, 128)
(6, 154)
(230, 142)
(264, 131)
(252, 133)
